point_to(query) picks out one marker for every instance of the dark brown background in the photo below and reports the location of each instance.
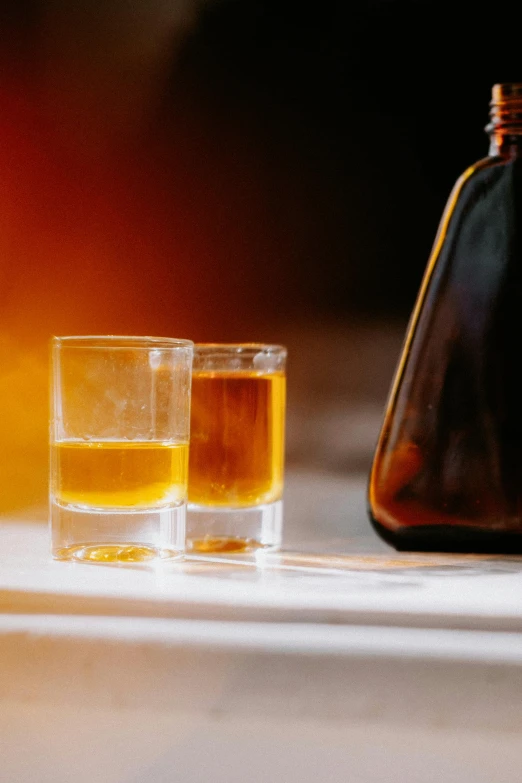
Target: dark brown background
(241, 170)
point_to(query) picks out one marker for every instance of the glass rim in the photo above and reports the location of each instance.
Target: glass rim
(114, 341)
(235, 349)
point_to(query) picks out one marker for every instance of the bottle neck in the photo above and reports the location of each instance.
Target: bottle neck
(505, 125)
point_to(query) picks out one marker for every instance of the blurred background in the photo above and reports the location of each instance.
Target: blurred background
(241, 170)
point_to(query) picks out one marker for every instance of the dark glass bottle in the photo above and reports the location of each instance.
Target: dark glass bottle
(447, 473)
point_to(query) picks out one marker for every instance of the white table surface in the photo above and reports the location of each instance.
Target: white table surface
(384, 588)
(350, 662)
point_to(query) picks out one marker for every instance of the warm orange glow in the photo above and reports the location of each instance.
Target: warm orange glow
(23, 427)
(136, 235)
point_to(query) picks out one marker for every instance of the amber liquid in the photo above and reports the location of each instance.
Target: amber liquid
(119, 474)
(447, 474)
(237, 438)
(222, 545)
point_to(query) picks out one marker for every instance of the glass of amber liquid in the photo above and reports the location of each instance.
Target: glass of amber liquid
(120, 417)
(236, 458)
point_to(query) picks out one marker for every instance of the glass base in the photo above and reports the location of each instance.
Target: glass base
(214, 531)
(96, 535)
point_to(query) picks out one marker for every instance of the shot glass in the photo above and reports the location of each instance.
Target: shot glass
(119, 435)
(236, 461)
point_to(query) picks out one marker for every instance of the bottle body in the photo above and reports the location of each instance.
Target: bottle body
(447, 473)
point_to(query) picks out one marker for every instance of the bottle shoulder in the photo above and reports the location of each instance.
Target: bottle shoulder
(492, 165)
(491, 180)
(478, 169)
